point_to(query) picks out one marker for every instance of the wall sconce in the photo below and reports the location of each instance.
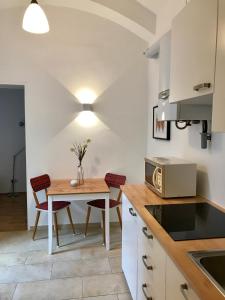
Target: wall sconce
(87, 107)
(86, 117)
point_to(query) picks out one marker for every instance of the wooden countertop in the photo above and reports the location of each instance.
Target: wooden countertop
(139, 195)
(90, 186)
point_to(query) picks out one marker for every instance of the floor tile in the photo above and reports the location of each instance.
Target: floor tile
(20, 241)
(23, 273)
(115, 264)
(12, 259)
(124, 296)
(40, 257)
(6, 291)
(107, 297)
(104, 285)
(59, 289)
(80, 268)
(37, 257)
(115, 252)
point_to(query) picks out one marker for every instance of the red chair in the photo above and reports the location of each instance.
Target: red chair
(43, 183)
(115, 181)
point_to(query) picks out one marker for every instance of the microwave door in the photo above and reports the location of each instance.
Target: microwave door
(149, 173)
(156, 179)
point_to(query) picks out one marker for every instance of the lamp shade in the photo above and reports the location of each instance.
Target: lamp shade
(35, 20)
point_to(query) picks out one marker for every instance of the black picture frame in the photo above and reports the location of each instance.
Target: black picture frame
(161, 129)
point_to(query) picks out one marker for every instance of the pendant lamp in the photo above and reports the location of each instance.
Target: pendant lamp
(35, 20)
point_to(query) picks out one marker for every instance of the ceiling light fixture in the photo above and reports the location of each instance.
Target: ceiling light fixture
(35, 20)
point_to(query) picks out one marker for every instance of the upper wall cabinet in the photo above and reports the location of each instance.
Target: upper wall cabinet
(218, 120)
(193, 52)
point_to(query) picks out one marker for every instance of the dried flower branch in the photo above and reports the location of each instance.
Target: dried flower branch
(79, 149)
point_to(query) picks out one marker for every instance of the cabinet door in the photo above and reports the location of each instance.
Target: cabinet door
(129, 245)
(218, 120)
(176, 285)
(151, 265)
(193, 50)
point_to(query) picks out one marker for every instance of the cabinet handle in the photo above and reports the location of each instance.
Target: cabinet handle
(144, 258)
(144, 286)
(164, 95)
(145, 231)
(202, 86)
(132, 212)
(184, 289)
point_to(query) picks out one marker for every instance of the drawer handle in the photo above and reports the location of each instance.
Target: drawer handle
(145, 231)
(184, 289)
(202, 86)
(144, 286)
(132, 212)
(144, 258)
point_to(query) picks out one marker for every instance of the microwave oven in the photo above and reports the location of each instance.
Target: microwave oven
(171, 177)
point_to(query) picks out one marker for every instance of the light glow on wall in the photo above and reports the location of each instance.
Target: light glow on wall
(86, 96)
(87, 119)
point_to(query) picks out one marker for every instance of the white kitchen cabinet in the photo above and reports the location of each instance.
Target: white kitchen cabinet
(151, 265)
(177, 287)
(218, 120)
(149, 272)
(193, 52)
(129, 245)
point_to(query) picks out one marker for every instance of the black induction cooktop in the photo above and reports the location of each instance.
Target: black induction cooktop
(192, 221)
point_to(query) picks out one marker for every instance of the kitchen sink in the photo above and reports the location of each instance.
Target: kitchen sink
(212, 263)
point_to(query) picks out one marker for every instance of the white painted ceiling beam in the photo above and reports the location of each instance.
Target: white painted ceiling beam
(132, 10)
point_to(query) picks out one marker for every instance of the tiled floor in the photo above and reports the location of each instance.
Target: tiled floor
(80, 269)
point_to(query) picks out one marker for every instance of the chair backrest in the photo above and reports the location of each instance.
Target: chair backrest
(115, 181)
(40, 183)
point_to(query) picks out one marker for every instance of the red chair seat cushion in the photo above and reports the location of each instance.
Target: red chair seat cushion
(100, 203)
(56, 205)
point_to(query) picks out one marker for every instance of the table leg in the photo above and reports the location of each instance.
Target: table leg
(107, 224)
(50, 224)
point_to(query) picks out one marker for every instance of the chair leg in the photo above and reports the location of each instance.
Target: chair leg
(119, 216)
(56, 229)
(70, 218)
(103, 223)
(36, 223)
(87, 220)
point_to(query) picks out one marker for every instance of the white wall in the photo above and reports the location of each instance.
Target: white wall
(80, 50)
(186, 144)
(12, 139)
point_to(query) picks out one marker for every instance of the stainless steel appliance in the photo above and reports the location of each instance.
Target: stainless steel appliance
(171, 177)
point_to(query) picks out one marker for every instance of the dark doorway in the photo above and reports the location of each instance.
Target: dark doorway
(13, 196)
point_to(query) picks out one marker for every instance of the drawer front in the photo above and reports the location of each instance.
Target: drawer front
(151, 265)
(129, 245)
(145, 285)
(177, 287)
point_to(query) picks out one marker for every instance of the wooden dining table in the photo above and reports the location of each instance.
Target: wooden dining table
(91, 189)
